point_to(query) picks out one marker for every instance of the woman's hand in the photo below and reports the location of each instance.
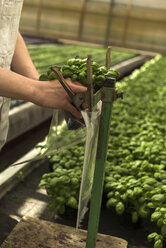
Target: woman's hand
(51, 94)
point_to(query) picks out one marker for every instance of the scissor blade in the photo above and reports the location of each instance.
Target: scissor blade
(63, 82)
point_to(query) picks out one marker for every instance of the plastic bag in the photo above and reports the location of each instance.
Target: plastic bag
(92, 127)
(65, 131)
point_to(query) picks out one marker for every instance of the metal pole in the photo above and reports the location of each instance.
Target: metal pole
(109, 22)
(38, 18)
(126, 23)
(98, 181)
(81, 21)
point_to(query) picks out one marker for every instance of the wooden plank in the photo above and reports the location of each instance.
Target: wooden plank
(33, 232)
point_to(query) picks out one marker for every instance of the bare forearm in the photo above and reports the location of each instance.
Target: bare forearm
(16, 86)
(21, 62)
(23, 83)
(48, 94)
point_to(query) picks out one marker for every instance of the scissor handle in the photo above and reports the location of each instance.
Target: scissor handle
(63, 82)
(78, 98)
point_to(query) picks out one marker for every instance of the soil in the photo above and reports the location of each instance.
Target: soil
(26, 199)
(32, 232)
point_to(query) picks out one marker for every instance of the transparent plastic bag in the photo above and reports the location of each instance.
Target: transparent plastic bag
(92, 127)
(65, 131)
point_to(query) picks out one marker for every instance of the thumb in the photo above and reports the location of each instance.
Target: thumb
(78, 88)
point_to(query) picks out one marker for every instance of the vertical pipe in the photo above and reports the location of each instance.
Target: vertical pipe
(109, 22)
(81, 20)
(126, 23)
(98, 181)
(38, 17)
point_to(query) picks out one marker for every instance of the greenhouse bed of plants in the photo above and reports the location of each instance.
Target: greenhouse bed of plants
(58, 54)
(135, 179)
(45, 55)
(135, 170)
(55, 54)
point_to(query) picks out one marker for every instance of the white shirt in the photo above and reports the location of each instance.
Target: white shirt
(10, 11)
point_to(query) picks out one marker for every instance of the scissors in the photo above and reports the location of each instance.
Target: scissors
(78, 98)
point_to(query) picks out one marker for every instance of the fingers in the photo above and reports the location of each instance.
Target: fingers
(73, 82)
(76, 86)
(66, 103)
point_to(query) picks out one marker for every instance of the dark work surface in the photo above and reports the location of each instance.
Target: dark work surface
(36, 40)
